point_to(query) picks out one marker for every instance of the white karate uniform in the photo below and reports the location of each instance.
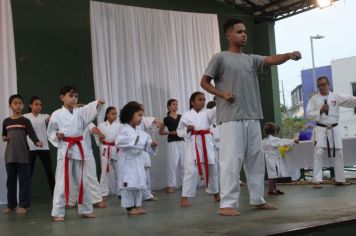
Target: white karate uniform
(39, 125)
(111, 131)
(274, 164)
(93, 183)
(201, 121)
(132, 143)
(332, 134)
(175, 163)
(71, 124)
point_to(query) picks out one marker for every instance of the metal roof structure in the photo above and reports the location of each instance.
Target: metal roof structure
(272, 10)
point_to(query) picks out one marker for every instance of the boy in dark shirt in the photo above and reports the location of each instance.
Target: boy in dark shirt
(14, 132)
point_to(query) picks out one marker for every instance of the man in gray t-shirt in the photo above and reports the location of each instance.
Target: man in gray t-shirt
(239, 111)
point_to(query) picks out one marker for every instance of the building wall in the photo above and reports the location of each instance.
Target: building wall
(308, 86)
(53, 48)
(344, 72)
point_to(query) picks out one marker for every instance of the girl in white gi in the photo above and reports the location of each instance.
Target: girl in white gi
(132, 143)
(274, 164)
(200, 161)
(65, 131)
(108, 151)
(323, 108)
(175, 160)
(39, 122)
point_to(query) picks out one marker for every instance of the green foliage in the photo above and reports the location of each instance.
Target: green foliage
(292, 125)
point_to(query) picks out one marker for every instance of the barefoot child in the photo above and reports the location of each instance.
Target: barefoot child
(132, 143)
(274, 164)
(200, 161)
(14, 132)
(65, 131)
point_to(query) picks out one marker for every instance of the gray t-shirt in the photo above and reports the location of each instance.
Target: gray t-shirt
(237, 73)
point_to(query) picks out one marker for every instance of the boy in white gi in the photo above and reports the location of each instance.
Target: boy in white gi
(274, 164)
(323, 107)
(65, 131)
(132, 142)
(200, 160)
(239, 111)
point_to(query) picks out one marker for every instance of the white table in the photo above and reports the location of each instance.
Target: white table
(301, 156)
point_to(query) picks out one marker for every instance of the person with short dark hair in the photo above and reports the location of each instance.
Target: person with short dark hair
(175, 159)
(65, 131)
(239, 111)
(39, 122)
(323, 108)
(132, 142)
(15, 129)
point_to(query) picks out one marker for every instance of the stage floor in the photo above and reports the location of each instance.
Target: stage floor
(302, 206)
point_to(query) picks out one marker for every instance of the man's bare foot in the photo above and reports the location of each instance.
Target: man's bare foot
(184, 202)
(7, 211)
(152, 199)
(216, 197)
(170, 190)
(105, 198)
(100, 205)
(134, 211)
(58, 219)
(242, 183)
(266, 206)
(88, 216)
(141, 210)
(227, 211)
(342, 183)
(317, 185)
(20, 210)
(154, 193)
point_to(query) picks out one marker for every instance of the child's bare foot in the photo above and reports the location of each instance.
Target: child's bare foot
(100, 205)
(217, 197)
(154, 193)
(317, 185)
(89, 216)
(184, 202)
(152, 199)
(7, 211)
(141, 210)
(227, 211)
(20, 210)
(134, 211)
(170, 190)
(105, 198)
(58, 219)
(266, 206)
(71, 206)
(242, 183)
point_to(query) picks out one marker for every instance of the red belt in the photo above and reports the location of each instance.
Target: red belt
(202, 134)
(72, 141)
(108, 144)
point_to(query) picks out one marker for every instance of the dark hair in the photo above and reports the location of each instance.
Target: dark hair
(128, 111)
(323, 77)
(169, 102)
(14, 96)
(230, 23)
(269, 129)
(211, 105)
(107, 112)
(32, 99)
(68, 89)
(193, 97)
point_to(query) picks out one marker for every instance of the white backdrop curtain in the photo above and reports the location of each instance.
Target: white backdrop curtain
(150, 56)
(8, 85)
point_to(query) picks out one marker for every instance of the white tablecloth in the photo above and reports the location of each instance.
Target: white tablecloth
(301, 156)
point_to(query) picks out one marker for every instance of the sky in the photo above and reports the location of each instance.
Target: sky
(337, 23)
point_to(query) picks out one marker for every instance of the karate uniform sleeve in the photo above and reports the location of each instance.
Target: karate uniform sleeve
(284, 142)
(313, 111)
(52, 130)
(124, 140)
(31, 132)
(89, 112)
(148, 122)
(182, 128)
(346, 101)
(148, 148)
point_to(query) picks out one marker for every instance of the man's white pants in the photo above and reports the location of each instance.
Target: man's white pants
(241, 142)
(75, 170)
(175, 164)
(147, 192)
(131, 198)
(191, 179)
(105, 176)
(338, 163)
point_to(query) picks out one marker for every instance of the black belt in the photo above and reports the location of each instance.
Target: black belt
(327, 140)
